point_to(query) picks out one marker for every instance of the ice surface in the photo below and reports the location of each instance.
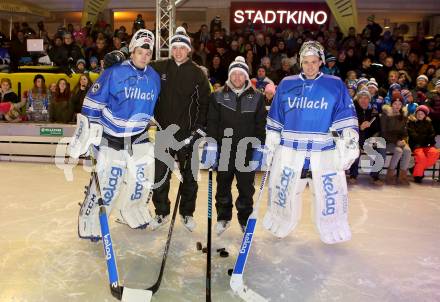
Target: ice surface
(394, 254)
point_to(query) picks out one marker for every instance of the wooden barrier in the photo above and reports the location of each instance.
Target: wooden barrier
(33, 141)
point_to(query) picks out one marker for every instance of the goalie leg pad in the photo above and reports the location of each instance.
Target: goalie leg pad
(140, 179)
(111, 169)
(331, 206)
(285, 189)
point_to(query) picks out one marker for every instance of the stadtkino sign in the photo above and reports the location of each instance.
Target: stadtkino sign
(279, 14)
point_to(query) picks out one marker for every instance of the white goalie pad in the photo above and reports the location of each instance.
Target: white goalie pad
(86, 134)
(285, 190)
(331, 206)
(134, 200)
(111, 172)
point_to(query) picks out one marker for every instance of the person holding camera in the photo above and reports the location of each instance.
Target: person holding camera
(139, 23)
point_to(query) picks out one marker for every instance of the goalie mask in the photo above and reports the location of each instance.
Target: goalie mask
(142, 38)
(311, 48)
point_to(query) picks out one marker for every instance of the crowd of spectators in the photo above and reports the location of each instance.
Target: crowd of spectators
(393, 81)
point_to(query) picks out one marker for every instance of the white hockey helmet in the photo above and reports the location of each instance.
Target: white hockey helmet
(311, 48)
(142, 38)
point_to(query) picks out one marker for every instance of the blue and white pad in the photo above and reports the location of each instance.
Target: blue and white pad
(285, 189)
(331, 206)
(111, 172)
(133, 205)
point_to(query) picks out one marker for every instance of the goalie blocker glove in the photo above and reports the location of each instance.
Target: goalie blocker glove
(86, 134)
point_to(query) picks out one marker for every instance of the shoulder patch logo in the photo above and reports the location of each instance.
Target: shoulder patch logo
(95, 87)
(163, 77)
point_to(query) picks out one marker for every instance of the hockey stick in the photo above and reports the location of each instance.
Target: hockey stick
(236, 281)
(155, 287)
(208, 254)
(119, 291)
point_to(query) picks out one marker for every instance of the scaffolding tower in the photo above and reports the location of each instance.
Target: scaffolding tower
(165, 26)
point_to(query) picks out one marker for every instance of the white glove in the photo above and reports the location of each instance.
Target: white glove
(31, 109)
(347, 147)
(86, 134)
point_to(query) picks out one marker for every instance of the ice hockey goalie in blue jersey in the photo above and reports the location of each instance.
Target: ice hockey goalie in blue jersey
(312, 135)
(118, 108)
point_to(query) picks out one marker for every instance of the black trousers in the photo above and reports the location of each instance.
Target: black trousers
(246, 190)
(189, 186)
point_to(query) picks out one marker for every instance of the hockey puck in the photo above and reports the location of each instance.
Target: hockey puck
(224, 254)
(199, 245)
(221, 249)
(230, 271)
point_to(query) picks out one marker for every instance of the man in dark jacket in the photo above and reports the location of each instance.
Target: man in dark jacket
(237, 111)
(369, 126)
(18, 50)
(183, 101)
(71, 52)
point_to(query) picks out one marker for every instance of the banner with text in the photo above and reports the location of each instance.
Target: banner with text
(261, 15)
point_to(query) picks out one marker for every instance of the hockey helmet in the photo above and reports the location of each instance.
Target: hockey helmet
(311, 48)
(142, 38)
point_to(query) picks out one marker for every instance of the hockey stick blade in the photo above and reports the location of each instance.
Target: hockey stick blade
(243, 291)
(136, 295)
(236, 282)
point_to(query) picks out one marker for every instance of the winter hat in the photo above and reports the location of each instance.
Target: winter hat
(372, 83)
(239, 64)
(395, 86)
(362, 81)
(351, 84)
(423, 108)
(93, 59)
(363, 92)
(180, 38)
(81, 61)
(423, 77)
(371, 18)
(330, 58)
(405, 93)
(437, 84)
(270, 88)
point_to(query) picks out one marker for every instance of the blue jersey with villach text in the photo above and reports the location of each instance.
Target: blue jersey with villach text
(303, 111)
(122, 99)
